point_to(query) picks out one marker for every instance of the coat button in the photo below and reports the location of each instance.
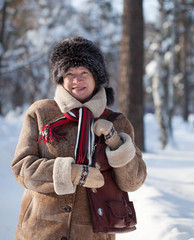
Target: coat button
(63, 238)
(100, 211)
(94, 190)
(67, 209)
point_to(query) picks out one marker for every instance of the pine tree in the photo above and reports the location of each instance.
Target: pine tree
(131, 68)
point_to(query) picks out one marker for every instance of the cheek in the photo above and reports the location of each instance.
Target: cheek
(66, 84)
(93, 85)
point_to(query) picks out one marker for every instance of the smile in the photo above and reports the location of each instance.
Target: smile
(78, 88)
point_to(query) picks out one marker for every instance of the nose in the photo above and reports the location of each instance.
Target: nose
(77, 78)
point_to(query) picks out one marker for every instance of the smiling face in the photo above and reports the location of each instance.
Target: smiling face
(80, 83)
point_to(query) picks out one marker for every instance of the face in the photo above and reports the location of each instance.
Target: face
(80, 83)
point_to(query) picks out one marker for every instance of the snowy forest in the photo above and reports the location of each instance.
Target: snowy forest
(148, 48)
(166, 85)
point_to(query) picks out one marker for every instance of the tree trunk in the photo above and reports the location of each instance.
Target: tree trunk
(2, 33)
(131, 70)
(183, 61)
(172, 67)
(159, 89)
(3, 23)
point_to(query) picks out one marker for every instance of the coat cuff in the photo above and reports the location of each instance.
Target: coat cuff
(62, 176)
(122, 155)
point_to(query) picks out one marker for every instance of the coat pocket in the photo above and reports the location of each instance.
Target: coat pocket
(121, 215)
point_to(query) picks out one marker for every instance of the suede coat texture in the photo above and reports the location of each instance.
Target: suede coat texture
(52, 207)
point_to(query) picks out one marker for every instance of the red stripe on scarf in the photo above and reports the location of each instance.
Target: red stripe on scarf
(84, 137)
(50, 132)
(73, 119)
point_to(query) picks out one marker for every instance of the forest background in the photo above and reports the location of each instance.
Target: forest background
(159, 61)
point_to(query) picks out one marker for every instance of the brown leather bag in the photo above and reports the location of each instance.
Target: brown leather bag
(111, 210)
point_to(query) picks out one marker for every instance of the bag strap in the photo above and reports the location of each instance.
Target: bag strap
(113, 116)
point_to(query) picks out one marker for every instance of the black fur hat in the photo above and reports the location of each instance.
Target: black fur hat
(75, 52)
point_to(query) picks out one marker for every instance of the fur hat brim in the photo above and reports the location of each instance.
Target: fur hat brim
(76, 52)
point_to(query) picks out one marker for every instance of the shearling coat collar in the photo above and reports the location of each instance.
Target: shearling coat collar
(66, 102)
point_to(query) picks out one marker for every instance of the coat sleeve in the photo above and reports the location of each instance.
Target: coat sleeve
(35, 172)
(129, 167)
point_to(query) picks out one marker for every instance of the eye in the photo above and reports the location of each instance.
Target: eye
(84, 74)
(68, 74)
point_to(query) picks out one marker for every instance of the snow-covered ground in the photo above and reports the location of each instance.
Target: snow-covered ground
(164, 205)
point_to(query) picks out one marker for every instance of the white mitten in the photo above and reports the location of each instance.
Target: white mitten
(112, 139)
(86, 176)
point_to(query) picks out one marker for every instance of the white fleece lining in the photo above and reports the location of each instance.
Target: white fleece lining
(62, 176)
(66, 102)
(122, 155)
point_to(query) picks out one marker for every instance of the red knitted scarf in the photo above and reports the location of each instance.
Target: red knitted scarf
(85, 135)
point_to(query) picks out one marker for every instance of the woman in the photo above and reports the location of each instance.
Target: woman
(54, 152)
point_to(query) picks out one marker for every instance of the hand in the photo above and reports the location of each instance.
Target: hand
(106, 128)
(102, 126)
(86, 176)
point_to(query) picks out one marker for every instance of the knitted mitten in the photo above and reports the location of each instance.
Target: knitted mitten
(106, 128)
(86, 176)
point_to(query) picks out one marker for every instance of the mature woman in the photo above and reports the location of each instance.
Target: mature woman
(53, 157)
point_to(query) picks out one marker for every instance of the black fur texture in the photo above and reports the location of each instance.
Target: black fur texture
(76, 52)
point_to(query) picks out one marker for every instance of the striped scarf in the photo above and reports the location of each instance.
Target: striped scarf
(85, 135)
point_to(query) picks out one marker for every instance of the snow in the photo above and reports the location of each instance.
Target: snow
(151, 68)
(164, 204)
(150, 10)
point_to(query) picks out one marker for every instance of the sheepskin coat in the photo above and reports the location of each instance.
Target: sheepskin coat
(52, 207)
